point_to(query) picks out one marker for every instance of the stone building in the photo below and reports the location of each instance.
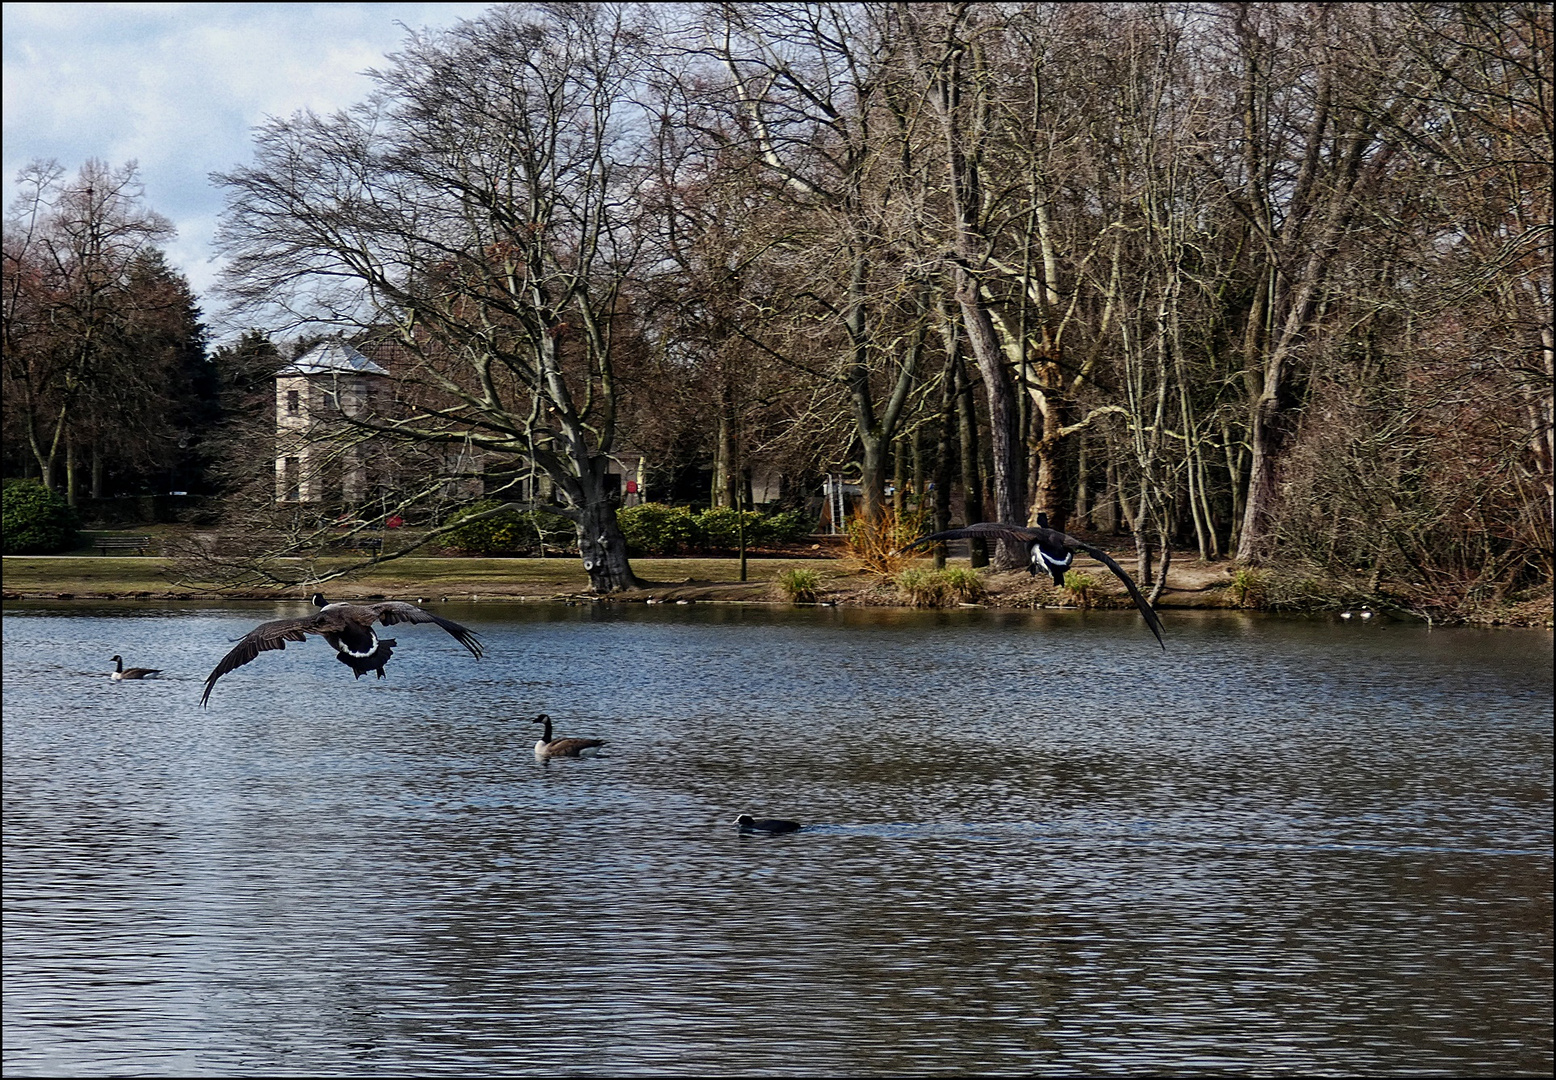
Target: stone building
(322, 459)
(318, 457)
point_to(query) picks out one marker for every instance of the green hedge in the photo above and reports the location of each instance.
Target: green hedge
(651, 529)
(512, 532)
(658, 529)
(37, 521)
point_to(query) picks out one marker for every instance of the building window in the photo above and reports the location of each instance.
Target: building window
(292, 483)
(294, 403)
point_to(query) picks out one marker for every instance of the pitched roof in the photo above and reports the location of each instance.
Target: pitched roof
(332, 357)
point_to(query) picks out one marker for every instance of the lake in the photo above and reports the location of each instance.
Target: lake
(1033, 841)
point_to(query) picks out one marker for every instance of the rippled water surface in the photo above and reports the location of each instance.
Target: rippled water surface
(1033, 841)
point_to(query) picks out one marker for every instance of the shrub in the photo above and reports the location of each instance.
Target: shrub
(787, 527)
(799, 586)
(1249, 587)
(922, 588)
(1079, 586)
(965, 584)
(512, 532)
(37, 521)
(720, 526)
(656, 529)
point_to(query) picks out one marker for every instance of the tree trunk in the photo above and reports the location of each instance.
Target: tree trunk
(916, 440)
(1082, 486)
(899, 480)
(1009, 476)
(875, 432)
(1161, 581)
(942, 481)
(1051, 495)
(70, 469)
(603, 548)
(957, 94)
(723, 492)
(872, 478)
(972, 478)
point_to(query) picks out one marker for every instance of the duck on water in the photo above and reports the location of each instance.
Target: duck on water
(765, 826)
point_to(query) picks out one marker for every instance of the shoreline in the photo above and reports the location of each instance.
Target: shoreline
(1192, 585)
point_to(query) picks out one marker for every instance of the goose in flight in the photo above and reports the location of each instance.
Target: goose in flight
(122, 672)
(349, 630)
(547, 747)
(1054, 551)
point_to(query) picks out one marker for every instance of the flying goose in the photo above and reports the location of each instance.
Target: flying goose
(547, 747)
(1054, 551)
(349, 630)
(121, 672)
(767, 826)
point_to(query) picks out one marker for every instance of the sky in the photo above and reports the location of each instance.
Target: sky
(178, 88)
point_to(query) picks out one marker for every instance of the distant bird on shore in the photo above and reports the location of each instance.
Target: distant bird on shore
(349, 630)
(547, 747)
(765, 826)
(122, 672)
(1054, 551)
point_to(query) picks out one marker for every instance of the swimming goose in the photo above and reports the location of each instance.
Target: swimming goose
(121, 672)
(349, 630)
(1054, 551)
(767, 826)
(547, 747)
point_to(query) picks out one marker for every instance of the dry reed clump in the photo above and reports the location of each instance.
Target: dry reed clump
(875, 547)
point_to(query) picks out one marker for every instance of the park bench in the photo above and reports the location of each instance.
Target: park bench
(105, 544)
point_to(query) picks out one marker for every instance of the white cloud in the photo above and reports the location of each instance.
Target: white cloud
(179, 87)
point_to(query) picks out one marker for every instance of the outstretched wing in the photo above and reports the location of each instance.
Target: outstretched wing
(396, 611)
(1055, 539)
(265, 637)
(986, 529)
(1105, 559)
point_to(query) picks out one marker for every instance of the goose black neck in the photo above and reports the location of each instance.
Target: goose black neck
(545, 719)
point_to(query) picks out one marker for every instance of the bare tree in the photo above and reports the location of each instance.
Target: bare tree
(479, 209)
(71, 249)
(813, 90)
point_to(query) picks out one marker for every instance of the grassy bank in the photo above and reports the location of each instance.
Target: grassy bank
(1192, 584)
(90, 576)
(86, 576)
